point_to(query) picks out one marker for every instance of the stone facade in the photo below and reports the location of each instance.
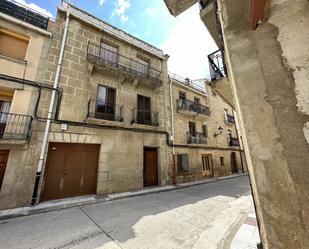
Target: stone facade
(215, 143)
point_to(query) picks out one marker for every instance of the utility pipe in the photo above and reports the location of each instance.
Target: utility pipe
(173, 131)
(50, 115)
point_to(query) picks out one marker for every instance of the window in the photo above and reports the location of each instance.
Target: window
(225, 115)
(105, 103)
(109, 53)
(196, 101)
(192, 129)
(205, 130)
(222, 161)
(207, 162)
(143, 110)
(182, 97)
(13, 45)
(182, 163)
(142, 67)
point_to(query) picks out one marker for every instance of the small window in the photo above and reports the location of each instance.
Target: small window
(197, 101)
(192, 130)
(207, 162)
(222, 161)
(182, 96)
(182, 163)
(205, 131)
(13, 45)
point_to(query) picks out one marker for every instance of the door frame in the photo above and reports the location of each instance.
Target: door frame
(6, 162)
(149, 148)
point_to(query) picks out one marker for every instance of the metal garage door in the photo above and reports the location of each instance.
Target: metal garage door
(71, 170)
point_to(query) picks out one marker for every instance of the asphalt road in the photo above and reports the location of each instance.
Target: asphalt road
(203, 216)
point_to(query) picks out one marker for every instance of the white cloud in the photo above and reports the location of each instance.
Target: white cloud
(35, 7)
(101, 2)
(188, 45)
(121, 7)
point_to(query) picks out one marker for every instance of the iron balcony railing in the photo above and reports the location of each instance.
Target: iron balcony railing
(145, 117)
(99, 55)
(197, 138)
(204, 4)
(24, 13)
(188, 105)
(217, 65)
(15, 126)
(233, 142)
(102, 110)
(230, 119)
(195, 84)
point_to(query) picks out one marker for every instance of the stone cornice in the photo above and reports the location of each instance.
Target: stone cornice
(120, 34)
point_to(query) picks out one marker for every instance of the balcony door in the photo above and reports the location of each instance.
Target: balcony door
(105, 103)
(4, 110)
(108, 53)
(192, 130)
(143, 110)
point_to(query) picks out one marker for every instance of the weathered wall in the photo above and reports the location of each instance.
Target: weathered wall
(269, 75)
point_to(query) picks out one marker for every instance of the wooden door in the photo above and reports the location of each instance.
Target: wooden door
(4, 154)
(150, 167)
(233, 160)
(143, 110)
(71, 170)
(208, 164)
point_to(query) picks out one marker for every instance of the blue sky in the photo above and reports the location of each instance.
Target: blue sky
(184, 38)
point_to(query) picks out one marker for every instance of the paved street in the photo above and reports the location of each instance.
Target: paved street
(204, 216)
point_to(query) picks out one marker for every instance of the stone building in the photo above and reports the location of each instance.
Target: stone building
(266, 52)
(205, 141)
(23, 43)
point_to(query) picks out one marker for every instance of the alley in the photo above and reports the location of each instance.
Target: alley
(202, 216)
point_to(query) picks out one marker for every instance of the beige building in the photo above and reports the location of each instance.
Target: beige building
(204, 134)
(88, 109)
(266, 51)
(23, 43)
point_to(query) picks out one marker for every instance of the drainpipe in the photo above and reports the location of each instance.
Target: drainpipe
(240, 141)
(173, 132)
(35, 196)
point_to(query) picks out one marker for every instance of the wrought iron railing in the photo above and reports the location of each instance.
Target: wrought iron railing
(15, 126)
(197, 138)
(145, 117)
(230, 119)
(204, 3)
(217, 65)
(24, 13)
(233, 142)
(188, 105)
(100, 110)
(99, 55)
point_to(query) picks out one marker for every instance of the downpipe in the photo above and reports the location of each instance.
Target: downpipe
(35, 193)
(173, 132)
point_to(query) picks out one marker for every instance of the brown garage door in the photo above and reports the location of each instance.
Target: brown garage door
(71, 170)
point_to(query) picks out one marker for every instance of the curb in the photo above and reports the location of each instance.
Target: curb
(79, 202)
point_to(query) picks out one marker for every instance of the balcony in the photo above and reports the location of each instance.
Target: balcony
(145, 117)
(233, 142)
(114, 61)
(198, 138)
(24, 13)
(217, 65)
(204, 4)
(189, 107)
(15, 126)
(100, 110)
(230, 119)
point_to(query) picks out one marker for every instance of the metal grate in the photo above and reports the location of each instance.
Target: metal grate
(101, 110)
(197, 138)
(189, 105)
(24, 13)
(145, 117)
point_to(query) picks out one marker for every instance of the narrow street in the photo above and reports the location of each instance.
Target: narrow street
(203, 216)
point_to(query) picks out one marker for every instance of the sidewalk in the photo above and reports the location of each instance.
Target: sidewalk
(88, 200)
(247, 237)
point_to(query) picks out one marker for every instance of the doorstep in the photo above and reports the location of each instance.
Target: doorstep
(88, 200)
